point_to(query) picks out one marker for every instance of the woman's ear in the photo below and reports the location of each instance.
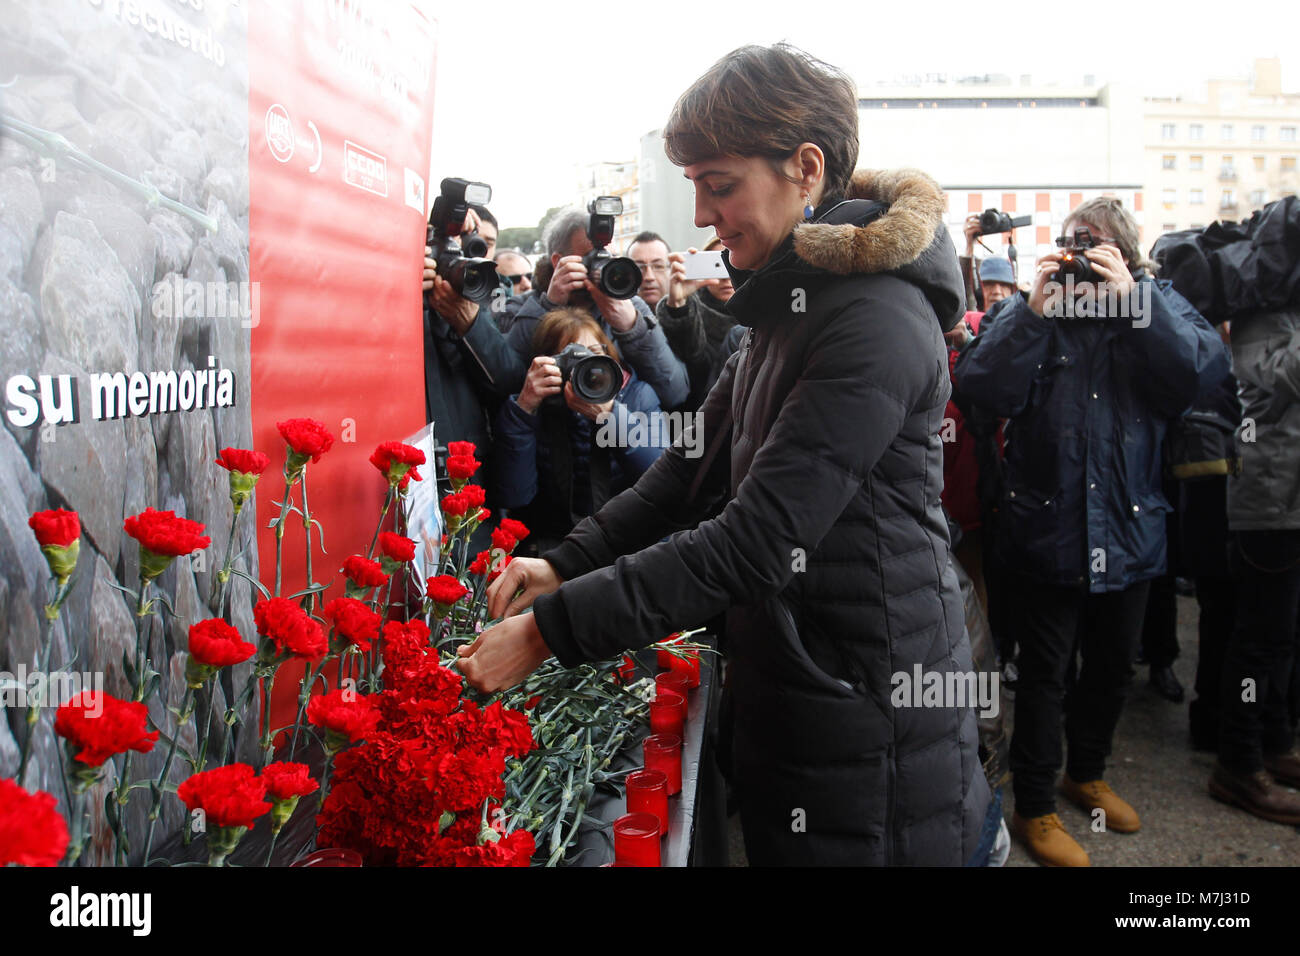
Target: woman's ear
(811, 163)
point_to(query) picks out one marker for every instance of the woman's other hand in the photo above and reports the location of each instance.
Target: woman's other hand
(543, 380)
(505, 654)
(531, 577)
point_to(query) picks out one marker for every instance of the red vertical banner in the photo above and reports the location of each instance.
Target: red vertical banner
(340, 124)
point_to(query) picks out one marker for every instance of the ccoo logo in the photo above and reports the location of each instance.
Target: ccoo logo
(279, 133)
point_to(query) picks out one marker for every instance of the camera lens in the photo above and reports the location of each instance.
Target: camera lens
(474, 246)
(620, 278)
(597, 379)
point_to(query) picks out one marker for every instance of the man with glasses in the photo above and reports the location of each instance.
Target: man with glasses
(512, 265)
(649, 250)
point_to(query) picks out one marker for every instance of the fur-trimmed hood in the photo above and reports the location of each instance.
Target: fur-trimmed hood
(916, 206)
(891, 223)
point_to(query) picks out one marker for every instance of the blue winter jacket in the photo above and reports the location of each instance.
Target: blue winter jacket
(524, 471)
(1088, 401)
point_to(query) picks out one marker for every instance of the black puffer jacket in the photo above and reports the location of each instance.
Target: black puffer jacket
(831, 552)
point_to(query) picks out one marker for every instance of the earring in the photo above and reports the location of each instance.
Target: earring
(807, 207)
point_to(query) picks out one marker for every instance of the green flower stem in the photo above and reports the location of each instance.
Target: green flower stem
(141, 638)
(383, 516)
(122, 797)
(187, 711)
(268, 739)
(285, 505)
(309, 599)
(223, 576)
(304, 694)
(232, 714)
(48, 619)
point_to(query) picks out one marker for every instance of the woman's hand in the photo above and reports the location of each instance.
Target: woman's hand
(543, 379)
(583, 407)
(503, 655)
(532, 577)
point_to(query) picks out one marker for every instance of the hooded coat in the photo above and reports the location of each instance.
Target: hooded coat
(819, 530)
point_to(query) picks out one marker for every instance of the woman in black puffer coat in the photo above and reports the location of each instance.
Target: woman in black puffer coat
(813, 515)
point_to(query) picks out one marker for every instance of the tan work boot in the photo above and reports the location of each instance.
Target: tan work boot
(1047, 841)
(1097, 795)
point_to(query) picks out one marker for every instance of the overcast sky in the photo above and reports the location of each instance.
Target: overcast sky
(526, 90)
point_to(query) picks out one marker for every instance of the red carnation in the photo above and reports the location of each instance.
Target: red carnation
(395, 460)
(516, 529)
(461, 449)
(290, 628)
(474, 495)
(57, 528)
(446, 590)
(454, 505)
(98, 725)
(363, 572)
(214, 644)
(231, 796)
(58, 532)
(243, 461)
(162, 537)
(503, 539)
(307, 439)
(32, 831)
(286, 781)
(343, 715)
(353, 621)
(481, 562)
(397, 547)
(461, 467)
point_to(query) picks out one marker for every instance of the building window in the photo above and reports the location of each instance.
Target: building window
(1196, 131)
(1257, 134)
(1288, 134)
(1288, 164)
(1257, 197)
(1195, 163)
(1167, 161)
(1228, 200)
(1168, 130)
(1169, 227)
(1259, 164)
(1196, 197)
(1197, 225)
(1225, 131)
(1168, 196)
(1228, 169)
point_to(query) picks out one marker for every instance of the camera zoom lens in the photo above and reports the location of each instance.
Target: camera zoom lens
(597, 379)
(620, 278)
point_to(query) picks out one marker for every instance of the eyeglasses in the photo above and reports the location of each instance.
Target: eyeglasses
(659, 266)
(514, 280)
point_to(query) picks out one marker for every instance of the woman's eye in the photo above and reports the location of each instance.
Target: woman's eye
(724, 191)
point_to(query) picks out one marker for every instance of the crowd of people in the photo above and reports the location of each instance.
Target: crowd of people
(1068, 451)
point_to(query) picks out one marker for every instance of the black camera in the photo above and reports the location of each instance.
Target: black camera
(596, 378)
(464, 263)
(993, 221)
(1074, 259)
(617, 276)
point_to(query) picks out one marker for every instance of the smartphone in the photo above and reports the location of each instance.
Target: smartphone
(705, 265)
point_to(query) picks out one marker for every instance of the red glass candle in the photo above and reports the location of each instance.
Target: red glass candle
(664, 752)
(647, 792)
(627, 669)
(668, 713)
(636, 840)
(673, 681)
(665, 658)
(689, 666)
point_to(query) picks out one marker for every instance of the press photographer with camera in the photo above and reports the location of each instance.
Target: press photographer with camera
(695, 319)
(550, 466)
(1082, 518)
(587, 277)
(993, 279)
(469, 366)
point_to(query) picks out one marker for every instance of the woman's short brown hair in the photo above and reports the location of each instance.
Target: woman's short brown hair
(1108, 214)
(559, 327)
(766, 101)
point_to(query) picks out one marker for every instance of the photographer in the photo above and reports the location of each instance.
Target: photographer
(628, 322)
(551, 467)
(694, 317)
(649, 251)
(469, 366)
(1082, 519)
(993, 279)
